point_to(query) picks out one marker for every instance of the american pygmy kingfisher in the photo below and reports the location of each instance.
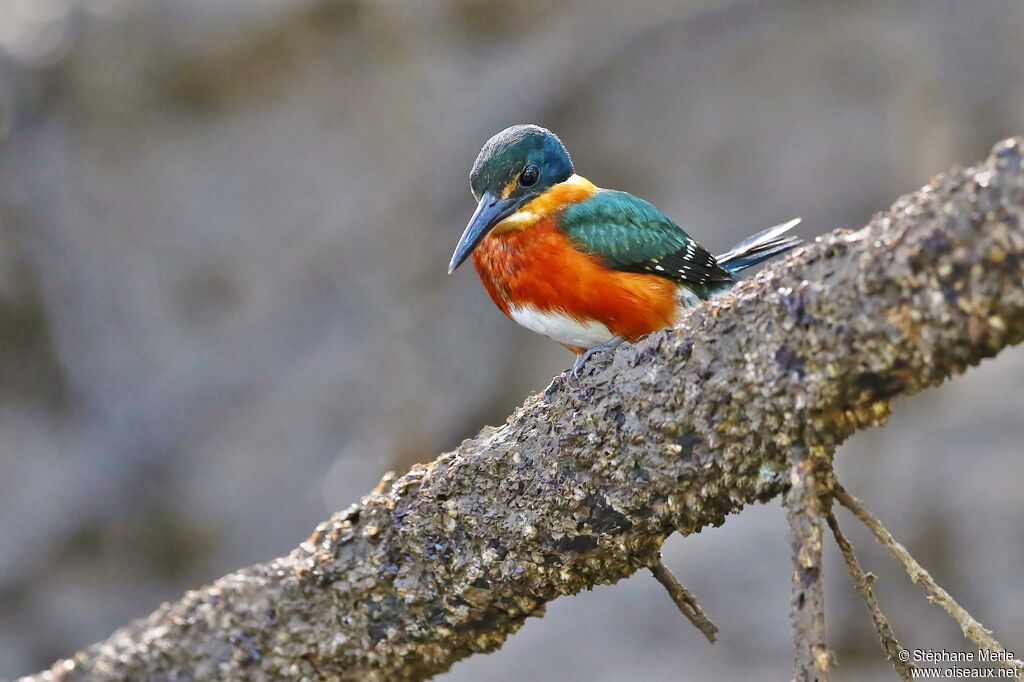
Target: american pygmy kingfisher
(585, 266)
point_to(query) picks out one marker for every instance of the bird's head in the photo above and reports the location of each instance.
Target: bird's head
(515, 166)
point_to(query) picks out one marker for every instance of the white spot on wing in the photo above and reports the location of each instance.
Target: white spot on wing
(561, 327)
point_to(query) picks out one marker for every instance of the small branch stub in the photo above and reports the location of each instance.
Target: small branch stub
(685, 601)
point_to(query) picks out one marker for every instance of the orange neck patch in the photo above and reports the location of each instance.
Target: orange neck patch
(575, 189)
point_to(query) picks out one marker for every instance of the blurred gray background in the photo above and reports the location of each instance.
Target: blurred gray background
(224, 229)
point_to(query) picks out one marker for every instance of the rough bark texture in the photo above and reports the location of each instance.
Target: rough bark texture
(676, 433)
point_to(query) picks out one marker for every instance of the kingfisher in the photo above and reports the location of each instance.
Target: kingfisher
(585, 266)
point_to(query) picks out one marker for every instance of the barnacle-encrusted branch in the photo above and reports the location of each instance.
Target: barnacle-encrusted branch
(582, 488)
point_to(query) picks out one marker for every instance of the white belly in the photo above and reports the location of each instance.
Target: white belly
(561, 327)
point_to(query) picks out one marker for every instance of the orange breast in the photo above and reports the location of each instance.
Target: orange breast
(538, 267)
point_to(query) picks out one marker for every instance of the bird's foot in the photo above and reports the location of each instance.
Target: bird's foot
(571, 377)
(582, 358)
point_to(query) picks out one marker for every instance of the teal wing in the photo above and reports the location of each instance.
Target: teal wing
(632, 235)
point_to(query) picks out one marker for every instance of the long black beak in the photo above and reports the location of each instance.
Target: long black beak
(489, 212)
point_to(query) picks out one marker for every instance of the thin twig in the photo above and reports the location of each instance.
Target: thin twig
(804, 509)
(685, 601)
(863, 582)
(972, 629)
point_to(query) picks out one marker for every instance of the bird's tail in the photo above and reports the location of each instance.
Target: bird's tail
(759, 247)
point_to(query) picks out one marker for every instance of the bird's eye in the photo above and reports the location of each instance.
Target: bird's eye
(529, 176)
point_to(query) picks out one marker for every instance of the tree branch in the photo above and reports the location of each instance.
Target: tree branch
(684, 601)
(863, 582)
(681, 430)
(808, 481)
(972, 629)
